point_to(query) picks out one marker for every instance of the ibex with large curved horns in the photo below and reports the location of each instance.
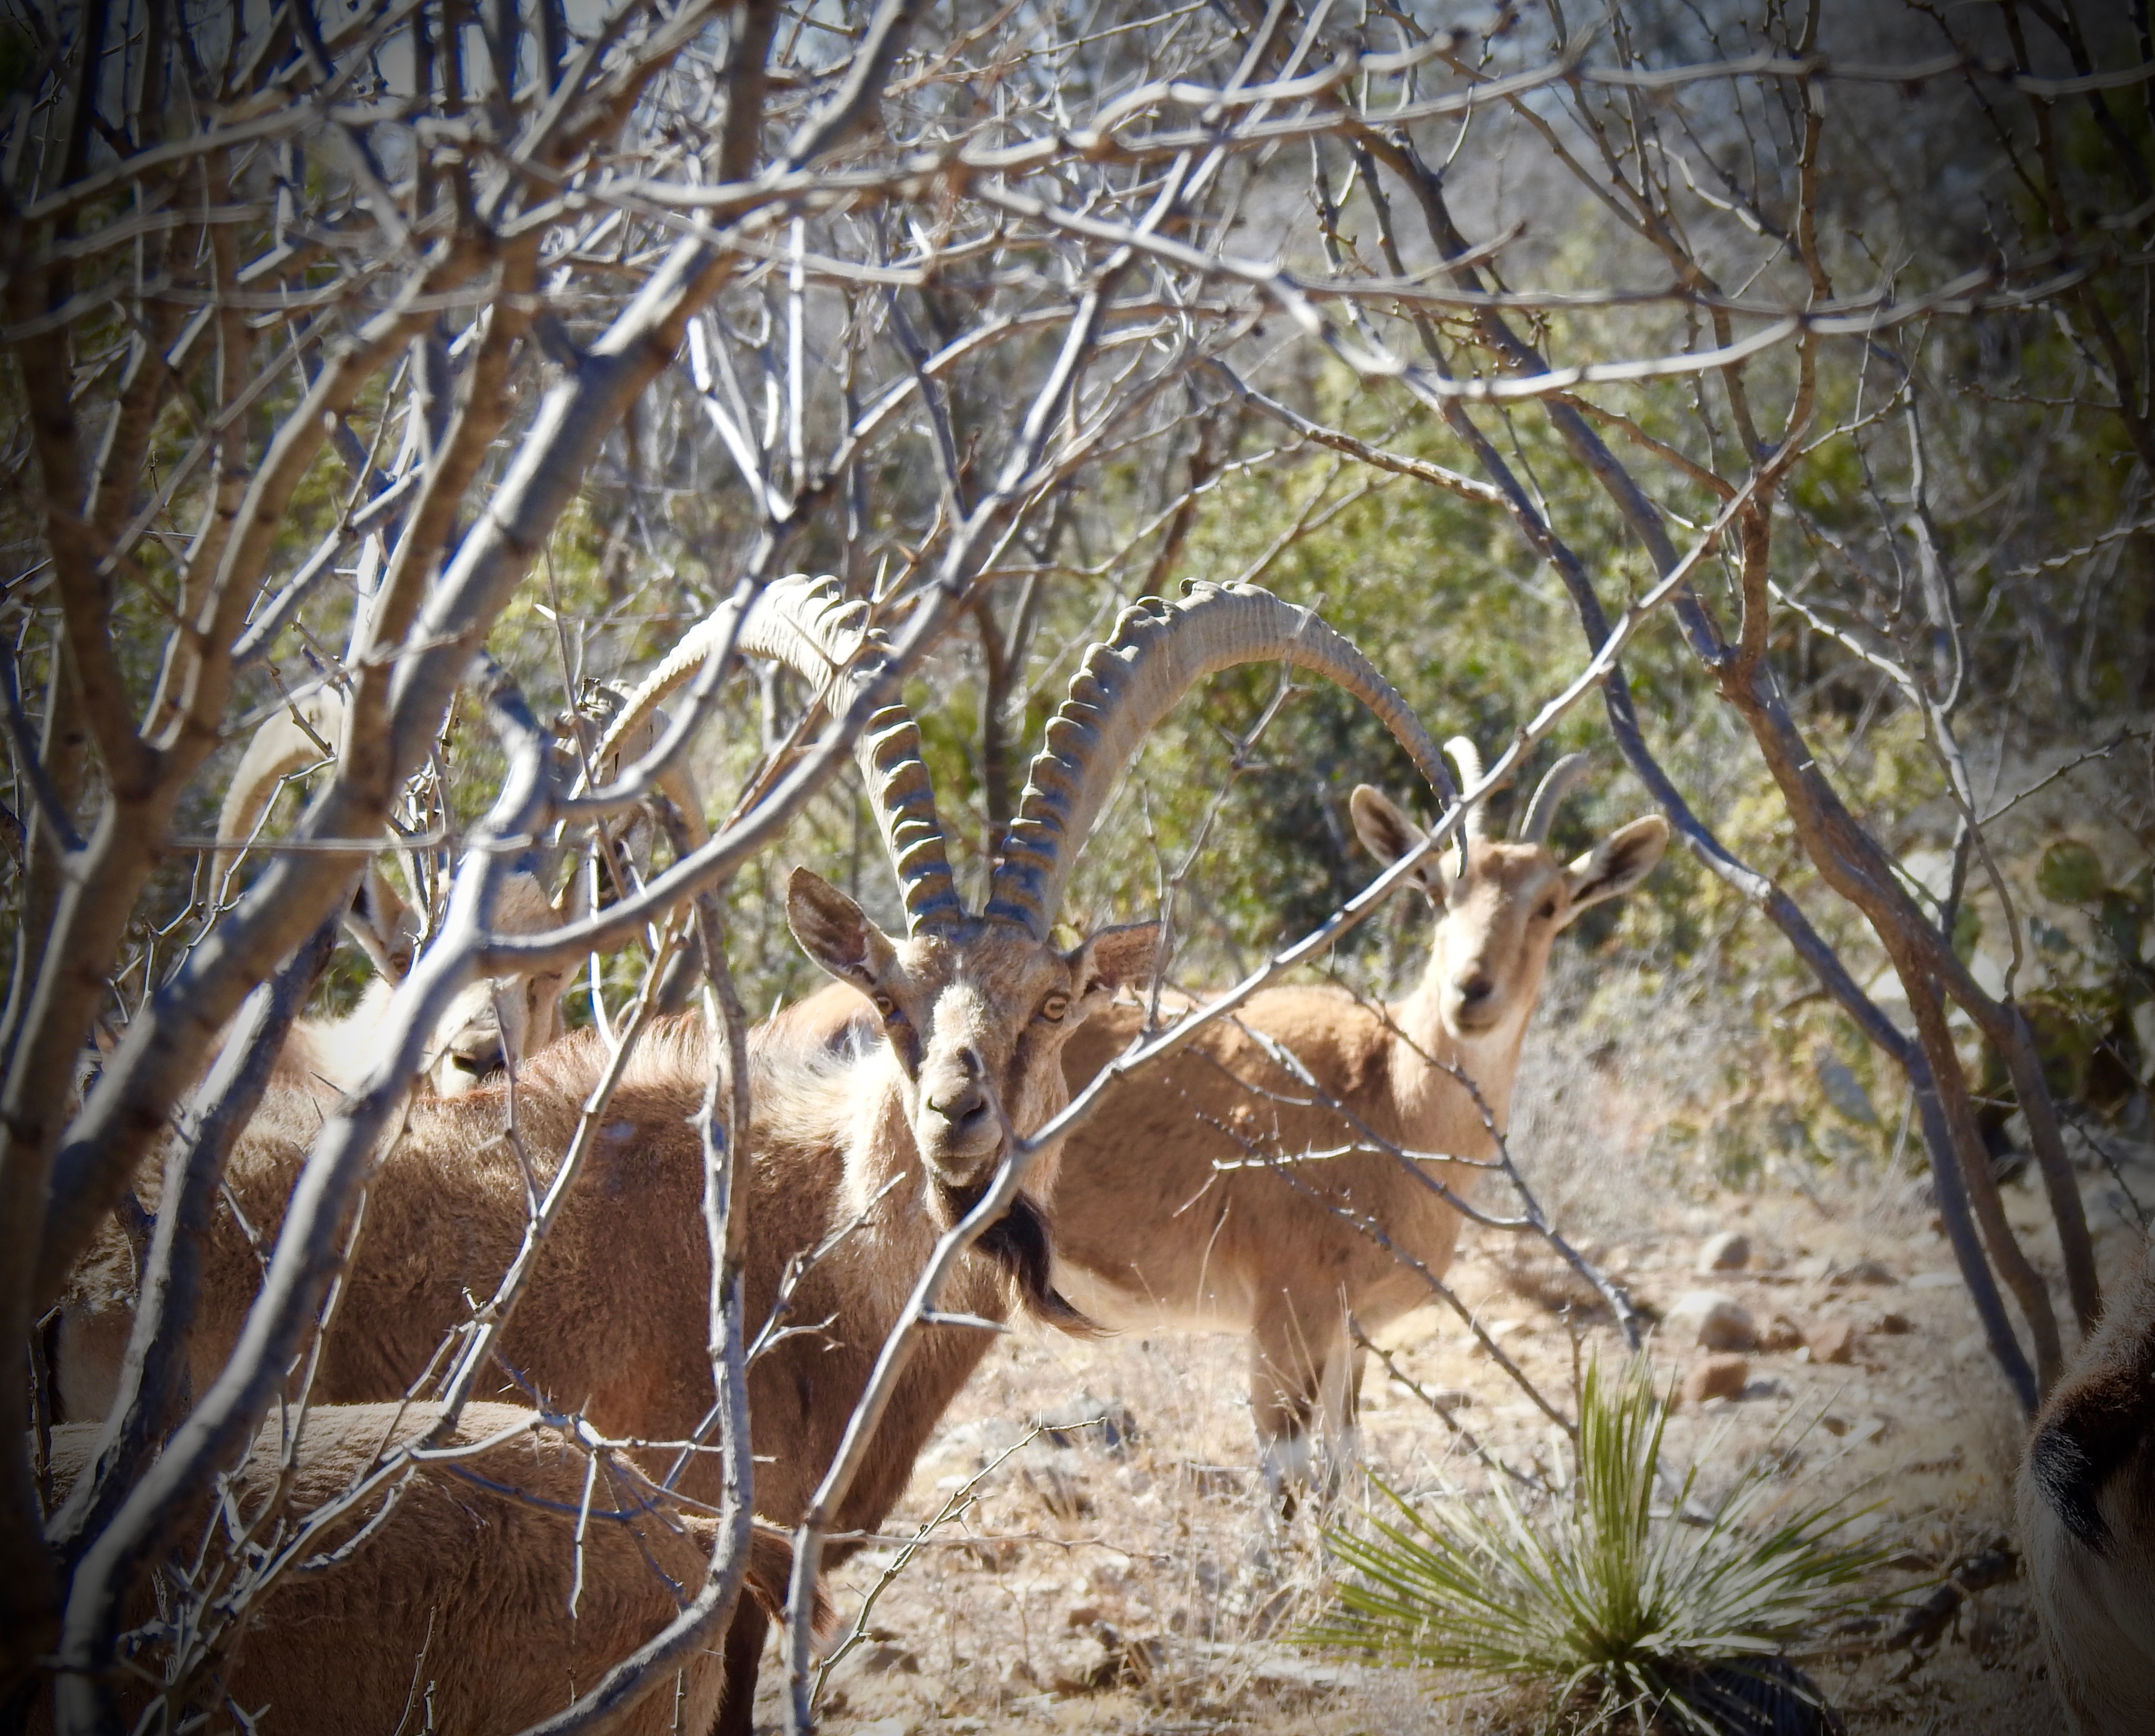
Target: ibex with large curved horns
(2088, 1517)
(495, 1584)
(1151, 1233)
(884, 1148)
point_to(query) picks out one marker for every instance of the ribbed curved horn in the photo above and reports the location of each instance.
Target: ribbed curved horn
(1468, 759)
(808, 624)
(1158, 652)
(280, 747)
(1563, 778)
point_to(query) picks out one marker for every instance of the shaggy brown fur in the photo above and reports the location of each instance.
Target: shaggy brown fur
(2087, 1518)
(615, 1321)
(457, 1606)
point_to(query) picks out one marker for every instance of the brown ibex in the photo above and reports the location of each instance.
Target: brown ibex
(494, 1020)
(884, 1148)
(495, 1588)
(1150, 1233)
(2088, 1517)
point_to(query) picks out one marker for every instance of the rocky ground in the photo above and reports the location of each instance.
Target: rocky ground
(1129, 1575)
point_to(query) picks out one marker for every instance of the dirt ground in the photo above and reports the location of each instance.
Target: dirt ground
(1131, 1576)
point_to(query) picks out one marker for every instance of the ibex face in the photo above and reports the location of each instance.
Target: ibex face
(974, 1013)
(1497, 920)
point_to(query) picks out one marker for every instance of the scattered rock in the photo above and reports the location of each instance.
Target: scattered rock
(1711, 1320)
(1895, 1324)
(1729, 1251)
(995, 1553)
(1060, 1493)
(1832, 1337)
(1721, 1376)
(885, 1659)
(896, 1725)
(1861, 1271)
(1780, 1334)
(1105, 1423)
(1104, 1659)
(1935, 1281)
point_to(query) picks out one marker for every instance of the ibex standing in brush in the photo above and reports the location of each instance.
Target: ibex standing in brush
(1150, 1234)
(494, 1020)
(889, 1144)
(470, 1606)
(2087, 1518)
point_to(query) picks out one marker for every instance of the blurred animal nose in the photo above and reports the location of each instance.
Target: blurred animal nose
(1475, 988)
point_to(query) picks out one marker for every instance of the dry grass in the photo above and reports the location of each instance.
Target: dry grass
(1145, 1585)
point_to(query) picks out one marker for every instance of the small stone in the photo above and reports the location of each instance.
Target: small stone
(886, 1659)
(1781, 1333)
(1721, 1376)
(1831, 1339)
(1895, 1324)
(1862, 1272)
(1711, 1321)
(1729, 1251)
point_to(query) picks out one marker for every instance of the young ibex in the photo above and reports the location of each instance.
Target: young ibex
(2087, 1518)
(1150, 1234)
(456, 1613)
(494, 1020)
(489, 1022)
(889, 1144)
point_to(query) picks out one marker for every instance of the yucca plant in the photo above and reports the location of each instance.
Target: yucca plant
(1628, 1613)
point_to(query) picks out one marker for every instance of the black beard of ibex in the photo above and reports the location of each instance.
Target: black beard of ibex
(1021, 1247)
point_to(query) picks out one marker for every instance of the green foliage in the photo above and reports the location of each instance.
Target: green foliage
(1603, 1595)
(2070, 873)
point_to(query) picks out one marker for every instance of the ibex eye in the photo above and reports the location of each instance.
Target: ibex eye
(1054, 1006)
(886, 1007)
(1548, 909)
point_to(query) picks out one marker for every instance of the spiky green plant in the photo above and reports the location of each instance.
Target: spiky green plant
(1601, 1592)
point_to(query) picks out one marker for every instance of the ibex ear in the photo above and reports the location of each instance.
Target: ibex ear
(381, 921)
(834, 931)
(1388, 834)
(1616, 864)
(1116, 958)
